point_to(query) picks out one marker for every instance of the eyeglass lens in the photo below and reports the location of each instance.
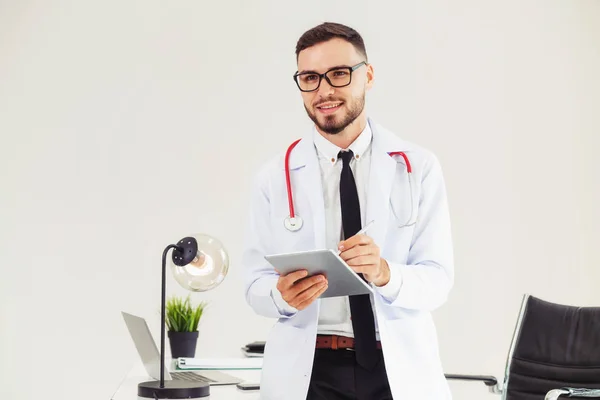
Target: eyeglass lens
(337, 78)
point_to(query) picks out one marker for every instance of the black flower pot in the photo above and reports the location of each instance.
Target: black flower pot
(183, 344)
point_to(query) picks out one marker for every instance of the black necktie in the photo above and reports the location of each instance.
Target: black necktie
(363, 322)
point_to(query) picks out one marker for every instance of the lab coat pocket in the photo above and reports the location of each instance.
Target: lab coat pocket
(417, 336)
(411, 356)
(283, 346)
(280, 372)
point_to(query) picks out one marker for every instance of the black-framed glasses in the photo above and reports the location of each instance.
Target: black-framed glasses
(336, 77)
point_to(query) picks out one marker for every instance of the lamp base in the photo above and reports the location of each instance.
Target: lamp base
(174, 389)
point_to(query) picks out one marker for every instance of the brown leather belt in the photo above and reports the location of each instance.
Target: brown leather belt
(335, 342)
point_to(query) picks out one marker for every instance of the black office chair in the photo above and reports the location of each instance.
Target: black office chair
(555, 352)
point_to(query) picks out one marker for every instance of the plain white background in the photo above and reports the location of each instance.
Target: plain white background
(126, 125)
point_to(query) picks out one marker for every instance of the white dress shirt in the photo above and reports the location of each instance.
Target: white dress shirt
(334, 317)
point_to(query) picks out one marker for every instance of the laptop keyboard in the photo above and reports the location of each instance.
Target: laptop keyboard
(190, 376)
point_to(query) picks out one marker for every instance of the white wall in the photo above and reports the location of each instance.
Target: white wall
(108, 109)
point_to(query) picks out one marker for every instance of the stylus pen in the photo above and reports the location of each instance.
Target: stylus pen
(363, 230)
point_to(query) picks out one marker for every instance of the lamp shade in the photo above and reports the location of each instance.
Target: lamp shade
(200, 263)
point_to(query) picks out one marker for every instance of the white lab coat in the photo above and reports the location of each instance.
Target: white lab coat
(421, 255)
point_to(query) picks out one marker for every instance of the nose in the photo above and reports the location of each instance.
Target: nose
(325, 89)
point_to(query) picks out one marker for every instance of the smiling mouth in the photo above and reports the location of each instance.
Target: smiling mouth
(330, 107)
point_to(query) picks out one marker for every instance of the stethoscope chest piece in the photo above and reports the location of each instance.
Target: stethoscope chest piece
(293, 224)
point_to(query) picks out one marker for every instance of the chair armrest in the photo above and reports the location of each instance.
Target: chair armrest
(572, 392)
(490, 381)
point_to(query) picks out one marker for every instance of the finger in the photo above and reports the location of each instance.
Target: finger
(299, 298)
(309, 292)
(308, 302)
(291, 278)
(285, 282)
(357, 251)
(354, 241)
(307, 283)
(362, 261)
(364, 269)
(290, 294)
(305, 303)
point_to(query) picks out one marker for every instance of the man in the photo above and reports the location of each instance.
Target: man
(345, 173)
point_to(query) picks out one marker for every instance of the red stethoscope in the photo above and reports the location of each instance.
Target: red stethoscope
(293, 222)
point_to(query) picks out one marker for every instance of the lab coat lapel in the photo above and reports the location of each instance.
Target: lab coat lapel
(381, 178)
(305, 171)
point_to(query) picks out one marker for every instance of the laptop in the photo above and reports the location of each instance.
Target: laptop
(146, 347)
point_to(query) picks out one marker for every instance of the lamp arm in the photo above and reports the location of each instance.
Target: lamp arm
(163, 312)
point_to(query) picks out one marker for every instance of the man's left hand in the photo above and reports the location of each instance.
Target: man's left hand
(363, 256)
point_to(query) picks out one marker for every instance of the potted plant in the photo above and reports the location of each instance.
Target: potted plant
(182, 324)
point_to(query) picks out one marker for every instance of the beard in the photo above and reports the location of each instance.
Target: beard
(335, 124)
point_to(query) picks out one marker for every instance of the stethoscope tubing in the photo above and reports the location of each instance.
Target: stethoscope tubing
(294, 222)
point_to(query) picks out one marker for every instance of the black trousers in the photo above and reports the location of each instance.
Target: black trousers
(337, 376)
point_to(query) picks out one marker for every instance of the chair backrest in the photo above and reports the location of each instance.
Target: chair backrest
(553, 346)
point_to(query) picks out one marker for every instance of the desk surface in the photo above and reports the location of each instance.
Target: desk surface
(128, 388)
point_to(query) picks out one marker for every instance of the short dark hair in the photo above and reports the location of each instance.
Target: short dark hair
(331, 30)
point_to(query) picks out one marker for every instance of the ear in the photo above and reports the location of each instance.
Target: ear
(370, 76)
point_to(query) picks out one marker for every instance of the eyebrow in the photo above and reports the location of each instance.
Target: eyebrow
(310, 71)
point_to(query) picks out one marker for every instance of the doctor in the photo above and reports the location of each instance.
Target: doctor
(344, 173)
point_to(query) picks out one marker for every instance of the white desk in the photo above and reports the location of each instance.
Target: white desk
(128, 388)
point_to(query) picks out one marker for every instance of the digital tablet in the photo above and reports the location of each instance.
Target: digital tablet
(342, 280)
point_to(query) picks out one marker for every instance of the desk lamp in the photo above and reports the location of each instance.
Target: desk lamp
(198, 263)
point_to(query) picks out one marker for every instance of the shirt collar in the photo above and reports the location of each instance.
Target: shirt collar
(330, 151)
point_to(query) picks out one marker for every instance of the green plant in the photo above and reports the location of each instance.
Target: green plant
(181, 316)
